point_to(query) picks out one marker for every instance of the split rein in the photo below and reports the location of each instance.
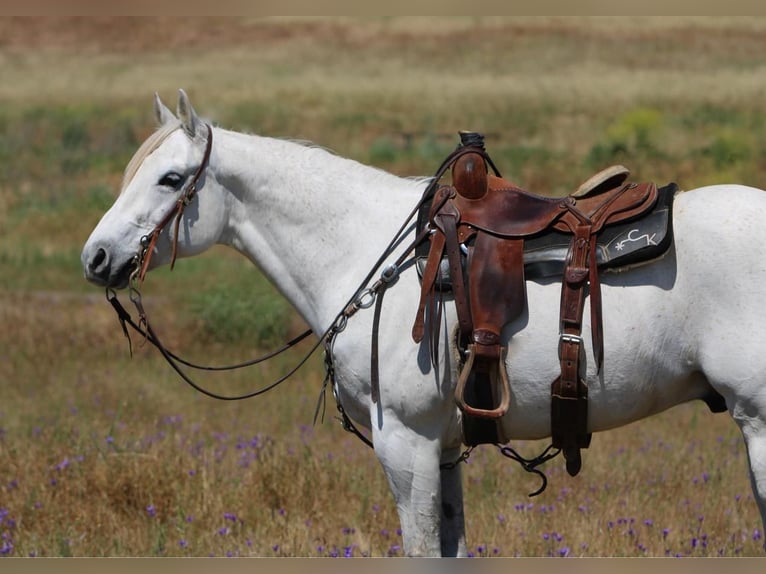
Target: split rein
(363, 298)
(144, 328)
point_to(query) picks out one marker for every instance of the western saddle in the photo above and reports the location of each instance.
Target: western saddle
(488, 237)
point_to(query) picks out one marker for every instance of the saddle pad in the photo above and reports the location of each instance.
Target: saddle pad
(625, 244)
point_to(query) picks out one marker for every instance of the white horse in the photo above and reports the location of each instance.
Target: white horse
(689, 324)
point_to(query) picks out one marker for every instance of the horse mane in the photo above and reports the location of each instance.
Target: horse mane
(150, 144)
(157, 137)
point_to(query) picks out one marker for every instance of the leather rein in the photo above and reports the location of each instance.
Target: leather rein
(363, 298)
(140, 267)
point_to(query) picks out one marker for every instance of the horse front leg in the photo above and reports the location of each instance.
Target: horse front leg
(452, 515)
(752, 423)
(411, 464)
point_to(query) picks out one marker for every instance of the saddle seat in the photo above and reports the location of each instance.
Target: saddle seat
(481, 223)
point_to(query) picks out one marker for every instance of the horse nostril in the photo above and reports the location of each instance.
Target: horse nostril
(98, 259)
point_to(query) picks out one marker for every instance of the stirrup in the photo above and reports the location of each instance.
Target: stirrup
(505, 387)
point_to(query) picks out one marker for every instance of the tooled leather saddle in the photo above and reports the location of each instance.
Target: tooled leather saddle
(488, 237)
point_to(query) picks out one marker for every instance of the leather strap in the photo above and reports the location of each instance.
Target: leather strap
(569, 393)
(427, 285)
(187, 195)
(447, 221)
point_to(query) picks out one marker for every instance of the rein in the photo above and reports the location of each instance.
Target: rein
(363, 298)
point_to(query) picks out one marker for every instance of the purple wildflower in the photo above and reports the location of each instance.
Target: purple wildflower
(757, 534)
(275, 548)
(564, 552)
(183, 543)
(223, 531)
(230, 516)
(151, 511)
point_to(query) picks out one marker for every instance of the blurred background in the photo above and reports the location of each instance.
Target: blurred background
(104, 455)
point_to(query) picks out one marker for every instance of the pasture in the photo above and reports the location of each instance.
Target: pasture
(102, 454)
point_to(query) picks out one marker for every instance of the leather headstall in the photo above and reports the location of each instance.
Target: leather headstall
(148, 242)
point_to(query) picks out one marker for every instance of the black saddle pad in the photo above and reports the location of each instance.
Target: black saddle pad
(628, 243)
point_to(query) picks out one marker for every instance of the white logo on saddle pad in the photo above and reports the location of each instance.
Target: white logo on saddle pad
(620, 245)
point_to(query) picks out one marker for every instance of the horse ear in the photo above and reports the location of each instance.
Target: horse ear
(186, 114)
(161, 112)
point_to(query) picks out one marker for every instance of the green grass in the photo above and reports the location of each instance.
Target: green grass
(104, 455)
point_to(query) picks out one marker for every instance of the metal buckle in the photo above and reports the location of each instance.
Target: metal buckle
(568, 338)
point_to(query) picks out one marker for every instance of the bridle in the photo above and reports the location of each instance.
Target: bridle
(141, 263)
(140, 266)
(363, 298)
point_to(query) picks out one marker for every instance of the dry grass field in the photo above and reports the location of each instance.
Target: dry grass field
(104, 455)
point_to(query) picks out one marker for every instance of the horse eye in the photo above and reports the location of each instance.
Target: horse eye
(172, 180)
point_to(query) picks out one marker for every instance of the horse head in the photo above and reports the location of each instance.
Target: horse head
(158, 213)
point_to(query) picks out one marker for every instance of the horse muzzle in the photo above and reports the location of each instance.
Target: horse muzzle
(103, 268)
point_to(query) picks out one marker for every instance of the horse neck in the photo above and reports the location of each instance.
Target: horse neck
(313, 222)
